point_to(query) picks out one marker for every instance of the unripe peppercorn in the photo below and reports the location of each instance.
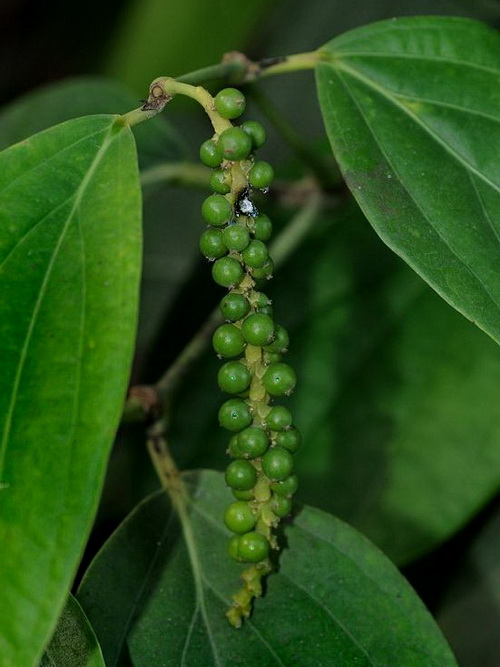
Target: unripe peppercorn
(234, 307)
(210, 153)
(289, 439)
(281, 505)
(256, 132)
(262, 228)
(253, 442)
(277, 463)
(216, 210)
(258, 329)
(227, 272)
(253, 547)
(265, 271)
(261, 174)
(230, 103)
(255, 254)
(236, 237)
(239, 518)
(286, 487)
(235, 144)
(241, 475)
(280, 342)
(228, 341)
(212, 244)
(234, 377)
(235, 415)
(279, 418)
(279, 379)
(220, 181)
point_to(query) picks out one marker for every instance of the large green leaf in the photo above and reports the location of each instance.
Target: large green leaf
(70, 249)
(336, 600)
(412, 110)
(74, 643)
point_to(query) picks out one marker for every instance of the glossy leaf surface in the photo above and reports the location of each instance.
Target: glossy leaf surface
(147, 597)
(74, 643)
(70, 251)
(411, 107)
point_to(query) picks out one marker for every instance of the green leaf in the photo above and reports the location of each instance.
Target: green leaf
(411, 107)
(70, 250)
(74, 643)
(71, 98)
(148, 602)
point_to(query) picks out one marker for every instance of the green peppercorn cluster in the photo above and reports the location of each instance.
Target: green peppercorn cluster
(264, 438)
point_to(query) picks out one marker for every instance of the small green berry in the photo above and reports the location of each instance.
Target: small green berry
(241, 475)
(286, 487)
(235, 415)
(234, 377)
(239, 518)
(227, 272)
(265, 271)
(236, 237)
(233, 449)
(289, 439)
(262, 227)
(216, 210)
(258, 329)
(230, 103)
(277, 463)
(255, 254)
(279, 379)
(261, 174)
(243, 495)
(235, 144)
(253, 441)
(220, 181)
(280, 342)
(233, 547)
(234, 307)
(281, 505)
(256, 132)
(210, 153)
(279, 418)
(212, 244)
(253, 547)
(228, 341)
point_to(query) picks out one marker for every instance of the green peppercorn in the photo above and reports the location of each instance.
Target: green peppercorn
(212, 244)
(220, 181)
(262, 227)
(253, 547)
(256, 132)
(258, 329)
(289, 439)
(228, 341)
(241, 475)
(277, 463)
(280, 342)
(265, 271)
(279, 418)
(233, 449)
(286, 487)
(281, 505)
(243, 495)
(227, 272)
(255, 254)
(253, 442)
(233, 547)
(234, 377)
(239, 518)
(210, 153)
(279, 379)
(230, 103)
(234, 307)
(260, 300)
(216, 210)
(261, 174)
(236, 237)
(235, 144)
(235, 415)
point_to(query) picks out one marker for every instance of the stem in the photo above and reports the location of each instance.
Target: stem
(292, 63)
(189, 174)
